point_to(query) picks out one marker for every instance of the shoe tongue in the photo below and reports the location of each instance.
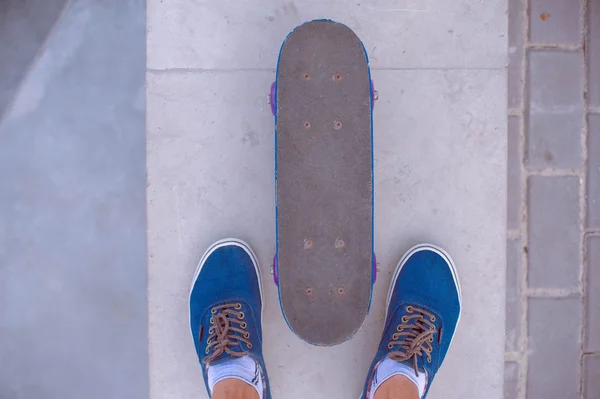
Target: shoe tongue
(224, 358)
(237, 346)
(409, 339)
(410, 363)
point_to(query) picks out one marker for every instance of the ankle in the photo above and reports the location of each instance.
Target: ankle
(234, 388)
(387, 373)
(240, 373)
(397, 387)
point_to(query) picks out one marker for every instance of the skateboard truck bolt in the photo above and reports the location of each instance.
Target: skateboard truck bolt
(306, 76)
(308, 244)
(339, 243)
(337, 76)
(308, 291)
(306, 125)
(337, 125)
(341, 291)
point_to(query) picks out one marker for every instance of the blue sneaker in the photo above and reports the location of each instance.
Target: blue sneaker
(226, 308)
(423, 309)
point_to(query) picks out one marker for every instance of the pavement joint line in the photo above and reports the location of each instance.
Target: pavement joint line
(553, 292)
(159, 71)
(444, 69)
(512, 357)
(554, 172)
(553, 46)
(592, 232)
(204, 70)
(524, 329)
(583, 187)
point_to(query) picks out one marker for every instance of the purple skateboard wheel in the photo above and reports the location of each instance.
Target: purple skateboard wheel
(275, 275)
(374, 268)
(372, 97)
(273, 98)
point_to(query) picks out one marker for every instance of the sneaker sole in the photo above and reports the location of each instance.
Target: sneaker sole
(414, 250)
(223, 243)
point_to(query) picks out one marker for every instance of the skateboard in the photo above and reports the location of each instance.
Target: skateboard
(322, 100)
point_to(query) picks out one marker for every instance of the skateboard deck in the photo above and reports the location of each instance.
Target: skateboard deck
(324, 264)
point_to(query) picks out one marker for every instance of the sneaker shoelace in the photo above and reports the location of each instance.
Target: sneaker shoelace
(225, 321)
(418, 336)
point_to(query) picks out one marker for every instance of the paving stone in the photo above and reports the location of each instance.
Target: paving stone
(593, 48)
(516, 22)
(511, 377)
(513, 210)
(554, 236)
(593, 172)
(591, 376)
(513, 295)
(555, 109)
(554, 357)
(555, 21)
(554, 140)
(592, 299)
(555, 81)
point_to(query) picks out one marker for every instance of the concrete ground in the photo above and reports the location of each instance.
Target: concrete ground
(440, 173)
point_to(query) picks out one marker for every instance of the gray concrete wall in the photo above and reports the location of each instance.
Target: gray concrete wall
(24, 26)
(73, 310)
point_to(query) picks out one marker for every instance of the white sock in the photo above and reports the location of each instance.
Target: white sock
(389, 368)
(243, 368)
